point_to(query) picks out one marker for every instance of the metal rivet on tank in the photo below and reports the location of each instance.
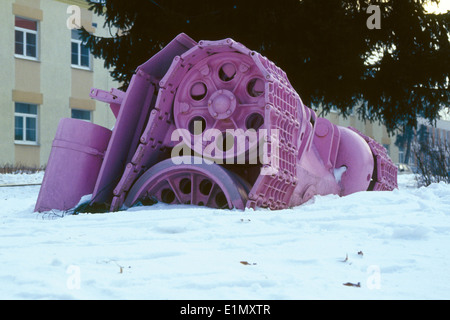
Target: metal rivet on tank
(204, 70)
(185, 107)
(243, 67)
(321, 130)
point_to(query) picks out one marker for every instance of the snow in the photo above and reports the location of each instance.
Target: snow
(338, 172)
(368, 245)
(21, 178)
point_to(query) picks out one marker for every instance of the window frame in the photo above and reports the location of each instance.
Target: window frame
(24, 117)
(24, 38)
(83, 110)
(79, 44)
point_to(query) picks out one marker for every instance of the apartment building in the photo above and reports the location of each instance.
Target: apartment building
(440, 133)
(437, 135)
(46, 75)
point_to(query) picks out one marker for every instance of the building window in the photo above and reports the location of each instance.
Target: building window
(26, 38)
(80, 52)
(82, 114)
(25, 123)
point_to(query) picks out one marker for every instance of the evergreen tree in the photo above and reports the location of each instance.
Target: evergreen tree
(404, 140)
(398, 71)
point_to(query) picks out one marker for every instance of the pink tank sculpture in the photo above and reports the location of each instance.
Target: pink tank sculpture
(211, 124)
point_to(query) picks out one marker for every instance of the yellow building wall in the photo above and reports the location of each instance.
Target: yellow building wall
(50, 82)
(7, 80)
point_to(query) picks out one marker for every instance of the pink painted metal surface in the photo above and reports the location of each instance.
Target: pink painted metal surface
(114, 97)
(132, 117)
(217, 187)
(233, 115)
(73, 166)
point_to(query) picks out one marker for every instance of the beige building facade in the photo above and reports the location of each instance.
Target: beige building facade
(46, 75)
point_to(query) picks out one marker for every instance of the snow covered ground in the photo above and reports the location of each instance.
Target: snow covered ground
(21, 178)
(369, 245)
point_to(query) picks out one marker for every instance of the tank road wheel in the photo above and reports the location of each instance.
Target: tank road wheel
(225, 94)
(199, 184)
